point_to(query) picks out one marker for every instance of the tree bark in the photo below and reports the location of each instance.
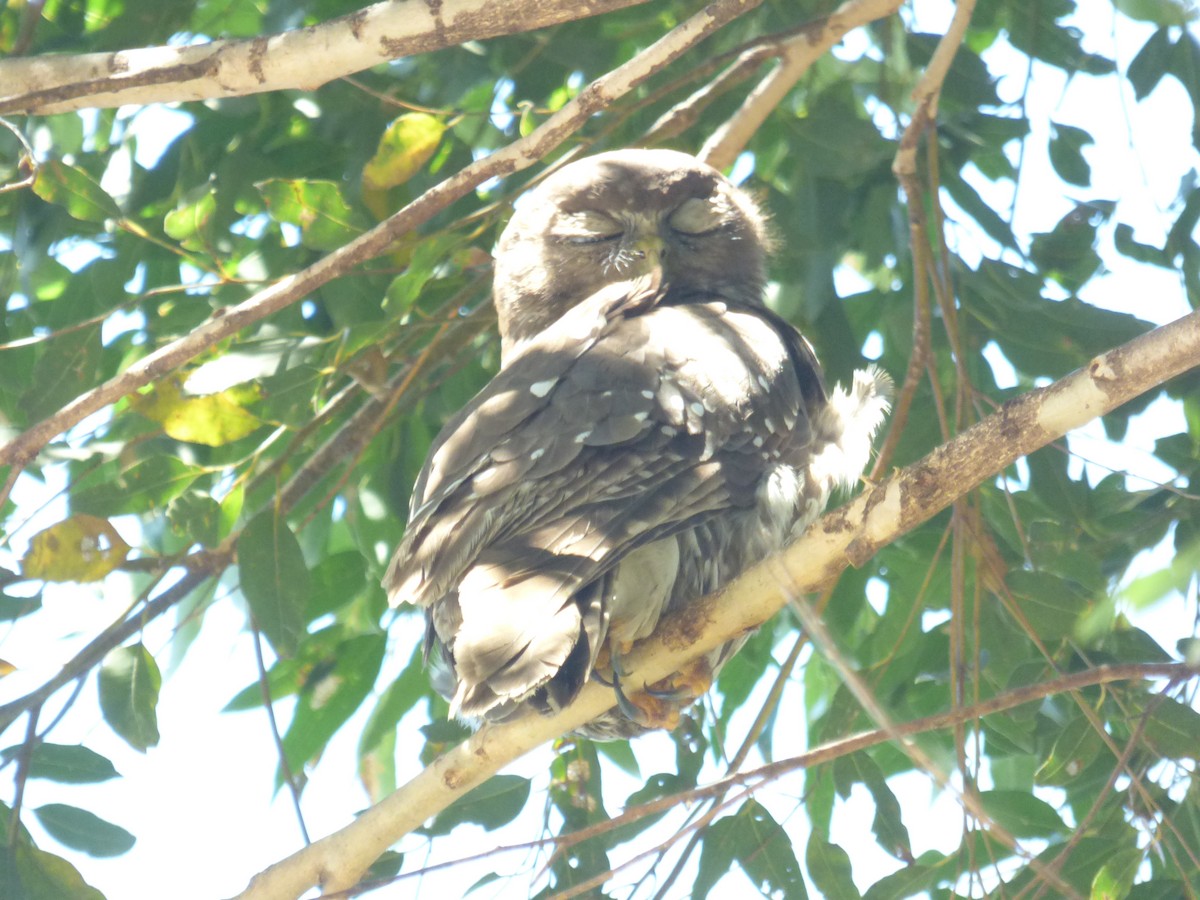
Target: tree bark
(847, 536)
(305, 58)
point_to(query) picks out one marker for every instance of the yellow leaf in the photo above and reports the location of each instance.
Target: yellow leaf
(406, 145)
(81, 548)
(210, 419)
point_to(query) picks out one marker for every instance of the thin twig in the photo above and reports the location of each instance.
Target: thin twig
(264, 688)
(799, 52)
(839, 748)
(199, 568)
(28, 163)
(509, 159)
(849, 535)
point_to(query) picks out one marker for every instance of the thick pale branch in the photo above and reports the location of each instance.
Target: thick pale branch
(516, 156)
(305, 58)
(847, 536)
(798, 53)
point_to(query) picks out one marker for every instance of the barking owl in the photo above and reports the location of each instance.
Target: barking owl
(654, 430)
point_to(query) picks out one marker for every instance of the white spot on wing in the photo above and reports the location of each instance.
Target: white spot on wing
(537, 454)
(542, 388)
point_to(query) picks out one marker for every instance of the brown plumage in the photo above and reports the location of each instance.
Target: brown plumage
(654, 430)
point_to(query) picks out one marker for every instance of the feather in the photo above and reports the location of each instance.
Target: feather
(654, 430)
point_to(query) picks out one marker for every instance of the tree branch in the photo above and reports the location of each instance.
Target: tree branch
(514, 157)
(838, 748)
(847, 536)
(798, 53)
(199, 567)
(304, 58)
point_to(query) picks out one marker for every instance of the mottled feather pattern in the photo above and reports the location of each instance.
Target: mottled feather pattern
(651, 434)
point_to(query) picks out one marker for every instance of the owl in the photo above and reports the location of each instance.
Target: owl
(653, 431)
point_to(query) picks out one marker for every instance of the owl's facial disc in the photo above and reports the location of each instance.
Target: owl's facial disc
(628, 244)
(617, 216)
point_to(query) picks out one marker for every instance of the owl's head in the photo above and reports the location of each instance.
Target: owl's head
(615, 216)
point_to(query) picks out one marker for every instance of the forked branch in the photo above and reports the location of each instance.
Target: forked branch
(846, 536)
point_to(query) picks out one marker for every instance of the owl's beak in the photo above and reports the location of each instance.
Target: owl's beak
(647, 254)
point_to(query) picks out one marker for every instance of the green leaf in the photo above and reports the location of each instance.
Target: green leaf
(398, 698)
(1066, 154)
(190, 223)
(1144, 253)
(829, 868)
(1115, 878)
(621, 753)
(757, 843)
(65, 763)
(912, 880)
(427, 256)
(1147, 590)
(15, 607)
(27, 873)
(1068, 253)
(1022, 815)
(275, 580)
(332, 692)
(1150, 64)
(69, 360)
(767, 855)
(75, 191)
(386, 867)
(326, 221)
(888, 826)
(1160, 12)
(1173, 729)
(287, 398)
(496, 802)
(231, 509)
(81, 830)
(148, 484)
(1073, 752)
(1052, 605)
(283, 680)
(337, 580)
(129, 684)
(195, 517)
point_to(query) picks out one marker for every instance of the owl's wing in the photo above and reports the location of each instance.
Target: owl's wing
(630, 419)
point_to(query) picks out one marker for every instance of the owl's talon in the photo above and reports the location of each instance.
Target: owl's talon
(677, 694)
(618, 669)
(658, 705)
(628, 708)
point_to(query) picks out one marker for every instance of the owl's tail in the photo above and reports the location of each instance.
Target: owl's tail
(847, 426)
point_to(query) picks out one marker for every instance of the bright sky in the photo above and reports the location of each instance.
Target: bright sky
(201, 803)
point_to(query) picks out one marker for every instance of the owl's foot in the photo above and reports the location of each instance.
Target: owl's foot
(659, 705)
(687, 685)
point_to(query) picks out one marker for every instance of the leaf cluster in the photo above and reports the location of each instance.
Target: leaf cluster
(275, 468)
